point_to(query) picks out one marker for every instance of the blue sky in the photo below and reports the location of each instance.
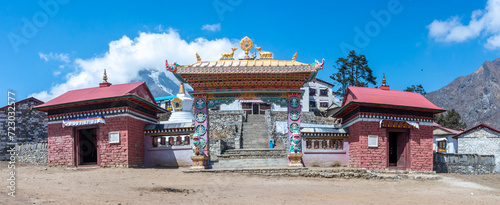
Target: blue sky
(423, 42)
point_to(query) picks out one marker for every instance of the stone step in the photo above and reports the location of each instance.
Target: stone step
(262, 153)
(268, 162)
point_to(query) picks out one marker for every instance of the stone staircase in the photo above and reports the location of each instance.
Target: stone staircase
(255, 132)
(256, 151)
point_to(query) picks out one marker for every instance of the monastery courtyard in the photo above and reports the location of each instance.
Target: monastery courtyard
(51, 185)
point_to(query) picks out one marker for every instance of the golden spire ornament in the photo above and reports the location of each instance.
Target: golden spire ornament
(246, 44)
(383, 80)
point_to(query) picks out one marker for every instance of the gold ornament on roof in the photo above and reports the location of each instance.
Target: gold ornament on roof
(294, 58)
(228, 55)
(264, 55)
(198, 57)
(383, 80)
(246, 44)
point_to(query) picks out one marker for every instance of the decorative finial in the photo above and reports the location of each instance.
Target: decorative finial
(264, 55)
(383, 80)
(294, 57)
(181, 88)
(198, 57)
(246, 44)
(229, 55)
(105, 77)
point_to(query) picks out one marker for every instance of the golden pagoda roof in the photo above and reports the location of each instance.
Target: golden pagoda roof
(245, 66)
(228, 65)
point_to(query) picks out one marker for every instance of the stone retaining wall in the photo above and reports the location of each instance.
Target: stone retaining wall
(280, 140)
(225, 129)
(464, 163)
(35, 153)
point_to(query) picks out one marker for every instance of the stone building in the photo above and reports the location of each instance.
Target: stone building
(100, 126)
(388, 128)
(31, 125)
(481, 139)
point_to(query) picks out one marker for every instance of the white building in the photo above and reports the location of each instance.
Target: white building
(443, 139)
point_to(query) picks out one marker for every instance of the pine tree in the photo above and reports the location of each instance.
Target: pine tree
(451, 119)
(352, 71)
(416, 89)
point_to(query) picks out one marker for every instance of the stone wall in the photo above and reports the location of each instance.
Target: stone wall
(225, 128)
(31, 126)
(280, 140)
(35, 153)
(464, 163)
(482, 141)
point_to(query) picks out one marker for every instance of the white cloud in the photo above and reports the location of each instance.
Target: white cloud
(64, 57)
(483, 22)
(126, 57)
(211, 27)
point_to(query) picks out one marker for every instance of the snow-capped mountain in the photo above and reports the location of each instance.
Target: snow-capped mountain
(159, 83)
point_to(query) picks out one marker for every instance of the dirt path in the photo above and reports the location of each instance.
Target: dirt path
(48, 185)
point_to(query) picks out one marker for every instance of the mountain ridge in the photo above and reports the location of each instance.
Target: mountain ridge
(476, 97)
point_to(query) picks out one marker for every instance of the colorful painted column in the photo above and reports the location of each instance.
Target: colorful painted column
(200, 137)
(294, 139)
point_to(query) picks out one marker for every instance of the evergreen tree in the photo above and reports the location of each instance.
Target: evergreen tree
(352, 71)
(451, 119)
(416, 89)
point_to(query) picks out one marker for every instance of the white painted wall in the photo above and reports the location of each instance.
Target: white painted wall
(451, 145)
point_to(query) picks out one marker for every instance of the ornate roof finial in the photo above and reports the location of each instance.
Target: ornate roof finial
(181, 88)
(198, 57)
(383, 80)
(246, 44)
(105, 77)
(264, 55)
(229, 55)
(294, 57)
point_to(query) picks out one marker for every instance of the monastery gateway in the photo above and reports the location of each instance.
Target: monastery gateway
(117, 125)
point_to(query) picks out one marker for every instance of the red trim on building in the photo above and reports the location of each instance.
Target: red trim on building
(476, 127)
(25, 100)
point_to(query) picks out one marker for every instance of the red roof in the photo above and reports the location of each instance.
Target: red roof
(476, 127)
(386, 97)
(88, 94)
(452, 131)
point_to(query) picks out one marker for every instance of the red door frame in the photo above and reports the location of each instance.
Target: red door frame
(406, 134)
(76, 158)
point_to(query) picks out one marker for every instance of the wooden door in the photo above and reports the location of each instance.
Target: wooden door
(402, 150)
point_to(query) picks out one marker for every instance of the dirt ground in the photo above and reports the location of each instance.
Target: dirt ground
(49, 185)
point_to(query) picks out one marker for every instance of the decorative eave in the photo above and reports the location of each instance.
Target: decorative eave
(352, 105)
(135, 98)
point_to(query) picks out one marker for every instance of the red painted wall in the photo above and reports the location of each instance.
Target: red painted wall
(60, 141)
(129, 152)
(360, 156)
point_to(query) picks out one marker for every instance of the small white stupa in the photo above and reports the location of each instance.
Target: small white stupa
(182, 106)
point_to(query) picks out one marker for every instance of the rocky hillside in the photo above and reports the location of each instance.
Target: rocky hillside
(476, 96)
